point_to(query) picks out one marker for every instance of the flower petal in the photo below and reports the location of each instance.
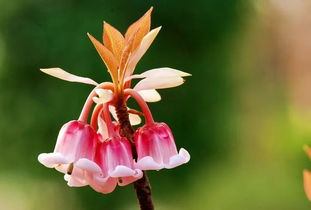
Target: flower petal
(150, 95)
(158, 83)
(129, 179)
(160, 72)
(87, 165)
(141, 49)
(61, 74)
(179, 159)
(72, 182)
(104, 96)
(102, 128)
(103, 185)
(122, 171)
(134, 119)
(148, 163)
(52, 160)
(307, 183)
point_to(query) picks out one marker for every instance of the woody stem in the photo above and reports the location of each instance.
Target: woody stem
(142, 186)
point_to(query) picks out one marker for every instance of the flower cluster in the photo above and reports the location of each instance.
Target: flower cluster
(91, 151)
(307, 175)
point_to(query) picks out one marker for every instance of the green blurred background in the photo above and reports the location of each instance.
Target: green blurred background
(244, 115)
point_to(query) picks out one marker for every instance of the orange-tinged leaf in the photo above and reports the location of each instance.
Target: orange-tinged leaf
(307, 183)
(140, 28)
(113, 40)
(108, 58)
(126, 54)
(307, 150)
(141, 50)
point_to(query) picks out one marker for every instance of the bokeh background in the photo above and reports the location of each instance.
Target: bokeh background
(244, 115)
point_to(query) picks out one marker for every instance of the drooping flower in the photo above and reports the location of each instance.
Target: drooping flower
(113, 160)
(156, 148)
(76, 142)
(307, 175)
(115, 165)
(110, 161)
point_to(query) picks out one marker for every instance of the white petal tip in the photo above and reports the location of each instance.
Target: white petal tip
(148, 163)
(52, 160)
(122, 171)
(179, 159)
(88, 165)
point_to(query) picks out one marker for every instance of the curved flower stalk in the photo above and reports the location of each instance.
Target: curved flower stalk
(101, 153)
(307, 175)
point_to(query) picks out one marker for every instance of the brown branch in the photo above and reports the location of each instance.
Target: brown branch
(142, 186)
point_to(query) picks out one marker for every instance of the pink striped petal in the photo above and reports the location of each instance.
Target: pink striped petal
(61, 74)
(150, 95)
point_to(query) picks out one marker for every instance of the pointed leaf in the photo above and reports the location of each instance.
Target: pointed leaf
(140, 28)
(141, 50)
(108, 58)
(61, 74)
(113, 40)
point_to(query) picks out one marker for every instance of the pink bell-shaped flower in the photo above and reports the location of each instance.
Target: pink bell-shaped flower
(73, 153)
(115, 164)
(156, 148)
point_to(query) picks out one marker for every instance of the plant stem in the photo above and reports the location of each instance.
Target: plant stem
(142, 186)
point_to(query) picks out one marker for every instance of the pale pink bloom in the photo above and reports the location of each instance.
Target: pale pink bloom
(75, 147)
(115, 165)
(156, 148)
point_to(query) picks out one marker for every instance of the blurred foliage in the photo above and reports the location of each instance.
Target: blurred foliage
(230, 115)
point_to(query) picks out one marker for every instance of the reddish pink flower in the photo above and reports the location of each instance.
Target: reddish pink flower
(115, 164)
(156, 148)
(75, 147)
